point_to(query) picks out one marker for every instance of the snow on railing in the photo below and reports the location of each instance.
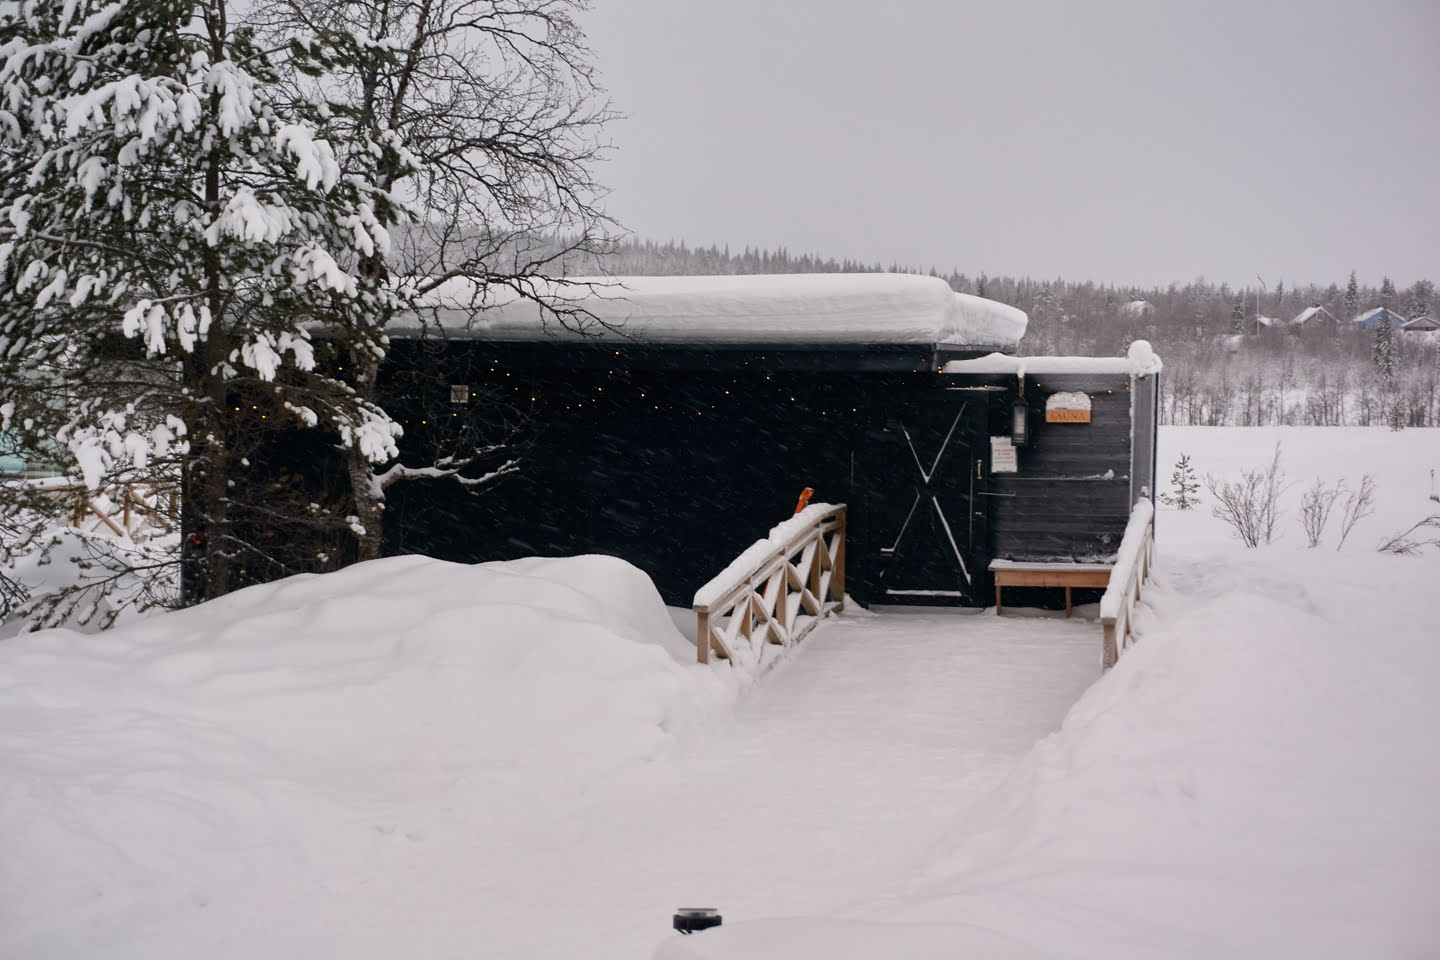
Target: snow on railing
(135, 511)
(776, 591)
(1132, 568)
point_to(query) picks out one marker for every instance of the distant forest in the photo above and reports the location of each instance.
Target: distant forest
(1219, 369)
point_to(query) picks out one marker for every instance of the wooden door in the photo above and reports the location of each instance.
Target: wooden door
(929, 521)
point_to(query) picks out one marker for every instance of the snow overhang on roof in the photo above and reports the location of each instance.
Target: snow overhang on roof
(783, 310)
(1139, 361)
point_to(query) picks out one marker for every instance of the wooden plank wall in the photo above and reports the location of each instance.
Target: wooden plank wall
(1070, 499)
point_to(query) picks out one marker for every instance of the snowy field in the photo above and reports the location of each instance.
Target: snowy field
(413, 758)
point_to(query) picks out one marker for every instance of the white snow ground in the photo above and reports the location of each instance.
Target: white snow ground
(422, 759)
(1257, 777)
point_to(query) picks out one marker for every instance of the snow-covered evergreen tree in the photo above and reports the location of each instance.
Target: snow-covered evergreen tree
(1352, 297)
(1237, 315)
(176, 225)
(1384, 352)
(1387, 293)
(1420, 296)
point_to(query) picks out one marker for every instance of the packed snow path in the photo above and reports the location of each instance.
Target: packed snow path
(837, 772)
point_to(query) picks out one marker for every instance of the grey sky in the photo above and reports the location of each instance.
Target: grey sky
(1141, 142)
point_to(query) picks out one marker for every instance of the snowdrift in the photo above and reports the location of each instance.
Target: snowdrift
(222, 765)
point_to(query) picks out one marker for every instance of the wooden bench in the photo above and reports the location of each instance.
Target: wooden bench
(1019, 573)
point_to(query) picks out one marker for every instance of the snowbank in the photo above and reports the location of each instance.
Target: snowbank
(255, 762)
(788, 309)
(1140, 360)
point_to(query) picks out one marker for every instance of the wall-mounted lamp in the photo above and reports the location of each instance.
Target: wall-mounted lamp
(1020, 422)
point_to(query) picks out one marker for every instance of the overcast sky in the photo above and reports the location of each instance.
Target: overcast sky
(1131, 142)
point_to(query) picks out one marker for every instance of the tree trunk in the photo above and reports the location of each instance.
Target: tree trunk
(369, 498)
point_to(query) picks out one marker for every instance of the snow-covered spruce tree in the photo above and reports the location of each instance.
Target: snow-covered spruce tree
(1387, 293)
(1237, 315)
(498, 102)
(1420, 296)
(174, 223)
(1384, 352)
(1352, 297)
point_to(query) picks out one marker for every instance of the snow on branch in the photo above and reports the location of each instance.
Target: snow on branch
(446, 468)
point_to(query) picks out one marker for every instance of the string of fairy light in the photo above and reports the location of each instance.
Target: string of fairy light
(587, 395)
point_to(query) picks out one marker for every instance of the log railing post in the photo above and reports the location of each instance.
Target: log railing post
(702, 636)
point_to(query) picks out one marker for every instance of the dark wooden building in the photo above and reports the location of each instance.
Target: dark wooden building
(678, 442)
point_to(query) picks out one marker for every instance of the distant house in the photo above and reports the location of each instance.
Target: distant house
(1420, 325)
(1137, 309)
(1371, 318)
(1314, 317)
(1267, 322)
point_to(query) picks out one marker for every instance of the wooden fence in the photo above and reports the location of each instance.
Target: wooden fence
(134, 511)
(1132, 569)
(777, 590)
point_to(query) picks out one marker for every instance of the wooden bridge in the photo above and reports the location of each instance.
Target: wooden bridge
(782, 587)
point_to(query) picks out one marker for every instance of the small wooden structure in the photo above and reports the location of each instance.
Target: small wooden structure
(720, 397)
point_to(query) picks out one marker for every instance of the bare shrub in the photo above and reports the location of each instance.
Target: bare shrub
(1406, 543)
(1250, 505)
(1315, 506)
(1359, 504)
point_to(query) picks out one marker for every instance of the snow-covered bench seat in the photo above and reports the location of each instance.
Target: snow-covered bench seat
(1021, 573)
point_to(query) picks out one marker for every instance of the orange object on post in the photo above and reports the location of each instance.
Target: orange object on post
(804, 500)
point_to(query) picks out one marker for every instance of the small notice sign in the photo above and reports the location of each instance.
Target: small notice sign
(1002, 456)
(1067, 407)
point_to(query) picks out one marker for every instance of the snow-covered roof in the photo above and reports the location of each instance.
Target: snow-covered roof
(1372, 316)
(1311, 313)
(1267, 321)
(1138, 361)
(1136, 308)
(790, 309)
(1420, 324)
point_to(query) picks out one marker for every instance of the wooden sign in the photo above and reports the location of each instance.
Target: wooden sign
(1069, 406)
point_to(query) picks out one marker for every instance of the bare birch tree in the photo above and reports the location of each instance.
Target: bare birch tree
(499, 107)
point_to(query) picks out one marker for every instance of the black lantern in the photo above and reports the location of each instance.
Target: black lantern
(1020, 422)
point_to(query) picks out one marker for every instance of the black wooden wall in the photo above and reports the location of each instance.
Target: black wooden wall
(1070, 499)
(677, 467)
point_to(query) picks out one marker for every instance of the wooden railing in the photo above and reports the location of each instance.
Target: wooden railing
(1132, 569)
(777, 590)
(134, 511)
